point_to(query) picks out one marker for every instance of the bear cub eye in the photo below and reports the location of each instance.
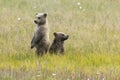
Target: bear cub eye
(62, 34)
(39, 17)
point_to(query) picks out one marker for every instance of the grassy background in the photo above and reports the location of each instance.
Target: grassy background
(92, 50)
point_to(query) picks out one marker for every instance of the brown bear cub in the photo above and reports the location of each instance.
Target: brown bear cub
(40, 39)
(58, 42)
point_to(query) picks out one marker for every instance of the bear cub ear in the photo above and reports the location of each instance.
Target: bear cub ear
(36, 13)
(55, 33)
(45, 14)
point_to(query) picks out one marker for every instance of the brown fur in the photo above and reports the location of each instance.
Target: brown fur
(41, 35)
(58, 42)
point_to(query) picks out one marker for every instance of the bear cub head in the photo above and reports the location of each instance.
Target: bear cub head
(60, 36)
(40, 18)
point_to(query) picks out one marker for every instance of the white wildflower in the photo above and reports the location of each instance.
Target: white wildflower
(78, 3)
(88, 79)
(68, 79)
(53, 74)
(18, 19)
(80, 7)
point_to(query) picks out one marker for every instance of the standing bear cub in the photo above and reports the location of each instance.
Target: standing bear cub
(58, 42)
(40, 39)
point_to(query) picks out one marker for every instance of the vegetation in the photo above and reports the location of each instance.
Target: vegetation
(92, 51)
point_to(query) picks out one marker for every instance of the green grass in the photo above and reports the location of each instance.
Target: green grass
(92, 51)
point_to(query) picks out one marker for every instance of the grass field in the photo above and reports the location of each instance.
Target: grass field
(92, 51)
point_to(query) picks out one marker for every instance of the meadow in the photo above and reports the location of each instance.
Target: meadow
(91, 53)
